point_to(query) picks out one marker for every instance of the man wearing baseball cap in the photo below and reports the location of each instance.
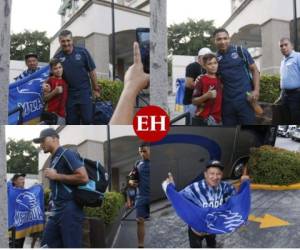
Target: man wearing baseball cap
(66, 170)
(31, 61)
(192, 71)
(208, 192)
(18, 181)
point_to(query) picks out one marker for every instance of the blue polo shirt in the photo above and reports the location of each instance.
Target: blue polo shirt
(233, 74)
(290, 71)
(65, 162)
(77, 67)
(143, 190)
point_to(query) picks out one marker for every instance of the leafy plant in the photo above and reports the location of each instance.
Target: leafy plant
(30, 42)
(188, 37)
(110, 90)
(269, 88)
(110, 208)
(271, 165)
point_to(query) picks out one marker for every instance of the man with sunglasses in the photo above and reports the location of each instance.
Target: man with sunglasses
(142, 182)
(290, 80)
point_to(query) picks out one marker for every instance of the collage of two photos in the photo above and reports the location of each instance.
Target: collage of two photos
(79, 174)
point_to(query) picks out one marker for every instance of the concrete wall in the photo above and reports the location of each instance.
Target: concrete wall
(92, 150)
(262, 10)
(98, 46)
(272, 31)
(179, 64)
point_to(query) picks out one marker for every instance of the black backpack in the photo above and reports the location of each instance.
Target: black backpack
(92, 193)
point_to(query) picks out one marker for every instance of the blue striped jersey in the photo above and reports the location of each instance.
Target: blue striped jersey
(204, 196)
(26, 73)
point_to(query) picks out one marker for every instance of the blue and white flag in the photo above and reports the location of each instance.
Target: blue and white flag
(27, 93)
(25, 210)
(180, 90)
(225, 219)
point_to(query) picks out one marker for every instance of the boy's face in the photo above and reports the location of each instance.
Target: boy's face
(213, 176)
(211, 66)
(57, 70)
(222, 41)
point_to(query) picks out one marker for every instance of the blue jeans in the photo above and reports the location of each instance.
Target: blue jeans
(291, 102)
(64, 228)
(192, 110)
(237, 112)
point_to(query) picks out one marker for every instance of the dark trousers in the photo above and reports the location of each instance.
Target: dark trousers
(19, 243)
(291, 102)
(80, 113)
(237, 112)
(64, 228)
(196, 240)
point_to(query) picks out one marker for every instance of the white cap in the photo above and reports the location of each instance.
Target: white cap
(204, 51)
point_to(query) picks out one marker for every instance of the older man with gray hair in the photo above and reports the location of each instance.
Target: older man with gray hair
(290, 80)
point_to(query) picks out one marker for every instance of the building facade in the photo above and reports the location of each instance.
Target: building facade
(91, 24)
(259, 25)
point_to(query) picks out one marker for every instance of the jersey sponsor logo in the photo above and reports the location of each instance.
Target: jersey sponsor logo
(234, 55)
(219, 58)
(77, 57)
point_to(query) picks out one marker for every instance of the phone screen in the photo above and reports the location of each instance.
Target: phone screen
(143, 38)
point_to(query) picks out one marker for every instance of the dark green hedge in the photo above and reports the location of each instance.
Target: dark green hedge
(110, 208)
(110, 90)
(269, 88)
(270, 165)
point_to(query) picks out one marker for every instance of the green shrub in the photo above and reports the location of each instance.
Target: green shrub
(270, 165)
(110, 208)
(269, 88)
(110, 90)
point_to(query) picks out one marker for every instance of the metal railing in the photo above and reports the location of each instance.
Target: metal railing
(186, 116)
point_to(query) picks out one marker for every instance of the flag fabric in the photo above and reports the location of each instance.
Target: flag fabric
(25, 210)
(27, 93)
(224, 219)
(180, 84)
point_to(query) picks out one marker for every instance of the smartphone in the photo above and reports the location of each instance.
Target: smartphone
(143, 38)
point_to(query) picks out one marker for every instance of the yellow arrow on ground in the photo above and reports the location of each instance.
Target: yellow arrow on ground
(268, 221)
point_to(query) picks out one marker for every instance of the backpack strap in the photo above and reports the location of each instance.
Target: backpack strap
(59, 157)
(241, 54)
